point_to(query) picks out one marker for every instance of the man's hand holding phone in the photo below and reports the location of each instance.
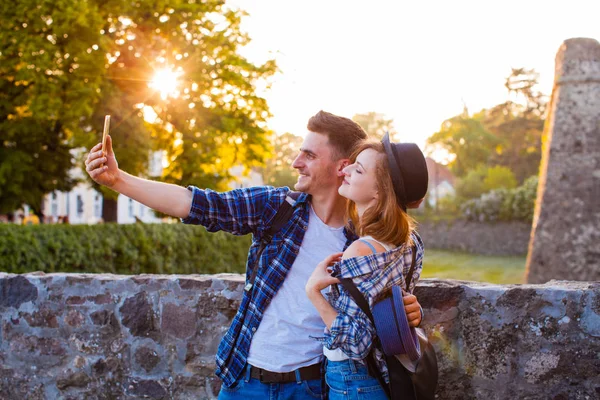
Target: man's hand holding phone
(101, 164)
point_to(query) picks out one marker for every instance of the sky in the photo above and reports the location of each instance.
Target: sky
(417, 62)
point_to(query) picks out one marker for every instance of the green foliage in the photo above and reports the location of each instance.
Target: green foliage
(508, 134)
(520, 134)
(218, 119)
(447, 205)
(467, 139)
(278, 170)
(120, 249)
(375, 124)
(482, 180)
(499, 177)
(65, 64)
(516, 204)
(48, 81)
(523, 200)
(472, 185)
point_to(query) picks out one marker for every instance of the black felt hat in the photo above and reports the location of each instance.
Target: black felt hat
(408, 170)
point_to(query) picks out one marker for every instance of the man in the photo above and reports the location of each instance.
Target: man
(267, 352)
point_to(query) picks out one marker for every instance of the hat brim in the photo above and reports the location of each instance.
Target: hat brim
(393, 330)
(410, 340)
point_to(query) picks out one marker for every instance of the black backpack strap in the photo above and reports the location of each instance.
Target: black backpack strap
(360, 300)
(412, 268)
(358, 297)
(283, 215)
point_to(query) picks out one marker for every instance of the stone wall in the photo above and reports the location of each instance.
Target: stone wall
(130, 337)
(490, 238)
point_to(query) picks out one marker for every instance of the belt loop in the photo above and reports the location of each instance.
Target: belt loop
(248, 371)
(352, 365)
(298, 378)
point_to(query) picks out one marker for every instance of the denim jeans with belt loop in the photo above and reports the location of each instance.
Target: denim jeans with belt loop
(248, 388)
(350, 379)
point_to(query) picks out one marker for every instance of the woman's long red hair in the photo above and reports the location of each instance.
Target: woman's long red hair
(385, 221)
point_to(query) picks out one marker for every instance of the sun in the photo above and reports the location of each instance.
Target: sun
(165, 81)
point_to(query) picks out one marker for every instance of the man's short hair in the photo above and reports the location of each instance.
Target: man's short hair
(343, 133)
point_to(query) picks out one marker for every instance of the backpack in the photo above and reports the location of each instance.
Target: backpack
(282, 216)
(404, 384)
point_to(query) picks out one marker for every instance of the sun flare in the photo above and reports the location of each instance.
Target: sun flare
(165, 81)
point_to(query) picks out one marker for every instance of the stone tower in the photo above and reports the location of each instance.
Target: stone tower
(565, 239)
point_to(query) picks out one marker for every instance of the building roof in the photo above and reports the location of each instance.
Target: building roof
(438, 173)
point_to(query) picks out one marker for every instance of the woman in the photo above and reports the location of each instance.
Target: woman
(382, 182)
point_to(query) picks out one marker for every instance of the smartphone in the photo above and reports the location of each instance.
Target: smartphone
(105, 133)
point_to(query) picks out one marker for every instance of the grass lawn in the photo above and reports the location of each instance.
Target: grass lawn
(444, 264)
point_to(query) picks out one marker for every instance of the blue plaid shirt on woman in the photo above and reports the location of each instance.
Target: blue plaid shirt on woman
(374, 275)
(243, 211)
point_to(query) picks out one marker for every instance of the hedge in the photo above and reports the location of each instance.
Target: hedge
(516, 204)
(121, 249)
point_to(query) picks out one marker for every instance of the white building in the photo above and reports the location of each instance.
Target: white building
(441, 182)
(82, 205)
(254, 178)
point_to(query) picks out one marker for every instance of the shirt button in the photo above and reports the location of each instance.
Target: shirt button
(253, 329)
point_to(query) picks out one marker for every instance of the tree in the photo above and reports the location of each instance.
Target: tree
(482, 180)
(467, 139)
(508, 134)
(208, 121)
(471, 185)
(519, 135)
(49, 77)
(521, 83)
(499, 177)
(519, 125)
(375, 124)
(278, 170)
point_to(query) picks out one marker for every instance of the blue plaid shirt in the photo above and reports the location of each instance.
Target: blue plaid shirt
(240, 212)
(374, 275)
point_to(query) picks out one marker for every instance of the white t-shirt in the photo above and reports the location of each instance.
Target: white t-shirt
(282, 341)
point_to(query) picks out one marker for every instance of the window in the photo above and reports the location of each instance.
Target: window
(54, 206)
(79, 206)
(97, 206)
(131, 208)
(142, 207)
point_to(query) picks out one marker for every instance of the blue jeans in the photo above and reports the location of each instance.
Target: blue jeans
(247, 388)
(350, 379)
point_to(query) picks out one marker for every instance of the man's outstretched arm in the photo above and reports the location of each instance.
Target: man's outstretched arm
(167, 198)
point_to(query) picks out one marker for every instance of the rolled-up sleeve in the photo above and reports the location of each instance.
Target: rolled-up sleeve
(353, 335)
(238, 211)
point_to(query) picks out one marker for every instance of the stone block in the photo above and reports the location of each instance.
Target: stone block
(178, 321)
(16, 291)
(137, 314)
